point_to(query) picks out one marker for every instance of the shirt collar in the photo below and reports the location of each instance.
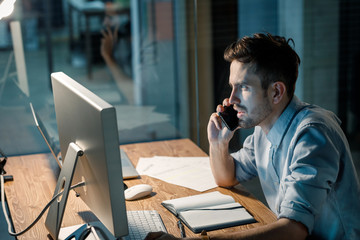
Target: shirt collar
(278, 130)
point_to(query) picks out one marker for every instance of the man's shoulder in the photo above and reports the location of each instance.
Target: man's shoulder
(315, 115)
(304, 112)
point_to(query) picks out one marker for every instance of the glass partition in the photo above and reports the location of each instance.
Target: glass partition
(160, 62)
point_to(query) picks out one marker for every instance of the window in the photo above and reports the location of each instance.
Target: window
(168, 72)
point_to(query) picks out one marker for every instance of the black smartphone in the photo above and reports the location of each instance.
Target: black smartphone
(229, 117)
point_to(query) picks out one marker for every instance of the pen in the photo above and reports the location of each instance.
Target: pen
(182, 230)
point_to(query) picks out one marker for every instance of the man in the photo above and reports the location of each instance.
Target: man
(297, 150)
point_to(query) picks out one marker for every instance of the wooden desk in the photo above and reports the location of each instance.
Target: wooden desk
(35, 178)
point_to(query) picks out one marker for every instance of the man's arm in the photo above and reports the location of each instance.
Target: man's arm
(281, 229)
(222, 164)
(106, 49)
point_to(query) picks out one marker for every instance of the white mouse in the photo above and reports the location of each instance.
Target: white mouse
(137, 191)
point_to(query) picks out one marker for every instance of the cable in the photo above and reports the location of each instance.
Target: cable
(41, 213)
(3, 154)
(92, 229)
(2, 162)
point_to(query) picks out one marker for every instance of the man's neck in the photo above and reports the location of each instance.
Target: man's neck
(278, 109)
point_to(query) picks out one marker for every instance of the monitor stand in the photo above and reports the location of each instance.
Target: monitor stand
(91, 231)
(96, 230)
(57, 208)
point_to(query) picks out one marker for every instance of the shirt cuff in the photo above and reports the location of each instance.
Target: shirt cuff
(288, 211)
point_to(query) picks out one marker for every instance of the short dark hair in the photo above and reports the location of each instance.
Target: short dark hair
(270, 56)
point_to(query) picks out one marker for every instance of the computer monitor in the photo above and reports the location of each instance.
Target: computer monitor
(87, 125)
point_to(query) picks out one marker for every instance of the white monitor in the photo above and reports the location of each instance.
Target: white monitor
(89, 123)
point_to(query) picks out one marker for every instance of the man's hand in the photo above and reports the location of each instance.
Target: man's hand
(217, 132)
(108, 42)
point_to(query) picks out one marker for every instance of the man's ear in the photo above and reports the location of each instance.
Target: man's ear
(278, 92)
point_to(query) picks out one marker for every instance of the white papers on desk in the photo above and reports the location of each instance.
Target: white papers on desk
(190, 172)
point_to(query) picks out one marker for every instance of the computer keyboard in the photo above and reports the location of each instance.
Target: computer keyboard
(142, 222)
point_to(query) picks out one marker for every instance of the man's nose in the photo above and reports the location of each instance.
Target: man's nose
(233, 99)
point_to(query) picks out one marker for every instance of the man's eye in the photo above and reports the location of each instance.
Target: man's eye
(243, 87)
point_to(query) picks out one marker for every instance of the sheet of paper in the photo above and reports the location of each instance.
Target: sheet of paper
(190, 172)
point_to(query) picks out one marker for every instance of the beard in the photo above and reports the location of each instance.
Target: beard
(256, 116)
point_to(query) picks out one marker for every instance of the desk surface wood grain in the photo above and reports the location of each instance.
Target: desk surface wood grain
(35, 179)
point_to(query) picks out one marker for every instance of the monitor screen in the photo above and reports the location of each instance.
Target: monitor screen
(88, 121)
(50, 141)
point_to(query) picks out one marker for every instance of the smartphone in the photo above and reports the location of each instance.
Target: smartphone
(229, 117)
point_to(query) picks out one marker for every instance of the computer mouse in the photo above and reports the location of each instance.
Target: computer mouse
(137, 191)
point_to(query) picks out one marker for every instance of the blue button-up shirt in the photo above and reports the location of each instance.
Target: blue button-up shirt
(306, 171)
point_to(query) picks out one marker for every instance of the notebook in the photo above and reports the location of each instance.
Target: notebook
(128, 168)
(208, 211)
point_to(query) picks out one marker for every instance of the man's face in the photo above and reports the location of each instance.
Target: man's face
(250, 100)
